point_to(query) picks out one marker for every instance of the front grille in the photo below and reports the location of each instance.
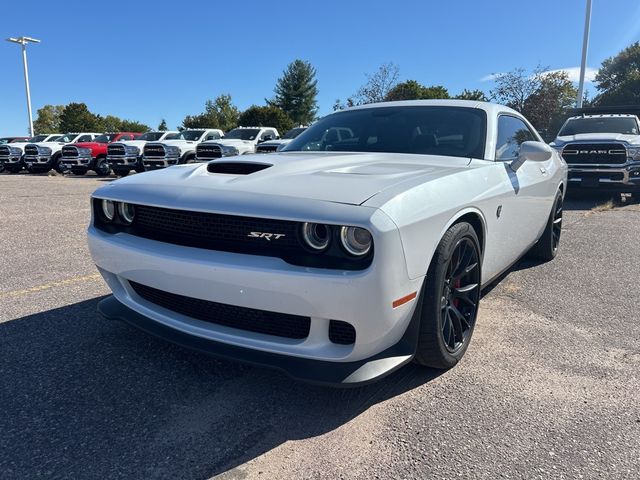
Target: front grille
(266, 148)
(208, 151)
(212, 231)
(615, 176)
(248, 319)
(69, 151)
(154, 151)
(595, 153)
(341, 332)
(117, 150)
(4, 151)
(31, 150)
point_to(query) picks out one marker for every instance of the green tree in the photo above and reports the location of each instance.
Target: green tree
(472, 95)
(618, 80)
(378, 85)
(296, 92)
(110, 123)
(220, 113)
(413, 90)
(48, 119)
(513, 88)
(269, 116)
(546, 107)
(163, 126)
(133, 126)
(76, 117)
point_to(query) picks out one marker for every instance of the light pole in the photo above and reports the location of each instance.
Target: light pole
(585, 47)
(23, 41)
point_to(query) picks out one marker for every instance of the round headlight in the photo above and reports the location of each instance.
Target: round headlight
(108, 210)
(316, 235)
(355, 240)
(127, 212)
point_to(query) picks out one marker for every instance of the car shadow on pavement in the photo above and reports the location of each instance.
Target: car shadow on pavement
(589, 200)
(83, 397)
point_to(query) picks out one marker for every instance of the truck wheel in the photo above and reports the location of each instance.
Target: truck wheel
(55, 163)
(13, 169)
(102, 168)
(79, 170)
(546, 248)
(450, 299)
(121, 172)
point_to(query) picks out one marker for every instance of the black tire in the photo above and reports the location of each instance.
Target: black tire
(450, 299)
(102, 168)
(546, 248)
(13, 169)
(2, 167)
(79, 170)
(55, 163)
(190, 158)
(121, 172)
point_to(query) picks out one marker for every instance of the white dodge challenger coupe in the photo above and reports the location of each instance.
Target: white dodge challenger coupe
(362, 246)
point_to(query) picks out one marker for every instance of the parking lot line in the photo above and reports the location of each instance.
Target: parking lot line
(47, 286)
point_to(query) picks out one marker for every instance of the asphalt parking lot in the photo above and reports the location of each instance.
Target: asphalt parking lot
(550, 386)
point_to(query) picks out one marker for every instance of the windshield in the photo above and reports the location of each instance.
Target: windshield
(151, 136)
(576, 126)
(105, 138)
(55, 138)
(293, 133)
(66, 138)
(242, 134)
(185, 135)
(38, 138)
(427, 130)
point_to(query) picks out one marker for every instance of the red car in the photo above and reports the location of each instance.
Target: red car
(85, 156)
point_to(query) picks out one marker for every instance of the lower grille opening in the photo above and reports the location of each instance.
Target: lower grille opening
(249, 319)
(341, 332)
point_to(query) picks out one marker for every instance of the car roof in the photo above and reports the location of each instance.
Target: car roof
(489, 107)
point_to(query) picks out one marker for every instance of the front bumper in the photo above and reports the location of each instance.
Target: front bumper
(362, 298)
(159, 162)
(130, 161)
(11, 160)
(69, 162)
(346, 374)
(615, 178)
(37, 160)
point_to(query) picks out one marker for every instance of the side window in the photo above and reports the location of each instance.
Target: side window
(125, 137)
(84, 138)
(511, 133)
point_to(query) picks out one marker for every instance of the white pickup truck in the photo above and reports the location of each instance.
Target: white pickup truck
(43, 156)
(602, 151)
(11, 153)
(239, 141)
(126, 156)
(271, 146)
(177, 148)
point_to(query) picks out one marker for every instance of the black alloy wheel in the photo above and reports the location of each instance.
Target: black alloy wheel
(450, 298)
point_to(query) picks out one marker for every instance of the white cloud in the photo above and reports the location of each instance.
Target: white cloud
(491, 77)
(574, 73)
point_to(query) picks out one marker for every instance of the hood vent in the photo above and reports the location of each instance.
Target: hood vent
(236, 168)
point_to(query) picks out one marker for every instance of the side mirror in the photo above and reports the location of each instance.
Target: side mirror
(531, 152)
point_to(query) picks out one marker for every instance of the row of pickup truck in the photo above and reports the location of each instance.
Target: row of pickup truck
(123, 152)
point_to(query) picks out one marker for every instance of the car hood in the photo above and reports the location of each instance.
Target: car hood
(89, 145)
(277, 143)
(177, 143)
(349, 178)
(232, 142)
(133, 143)
(597, 137)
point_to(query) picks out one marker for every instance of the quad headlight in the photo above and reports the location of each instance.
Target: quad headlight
(355, 240)
(316, 235)
(131, 150)
(44, 150)
(108, 210)
(634, 152)
(15, 151)
(229, 151)
(127, 212)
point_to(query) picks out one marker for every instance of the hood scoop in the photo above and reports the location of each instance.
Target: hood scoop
(236, 168)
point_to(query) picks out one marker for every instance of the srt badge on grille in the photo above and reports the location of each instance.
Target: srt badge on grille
(266, 236)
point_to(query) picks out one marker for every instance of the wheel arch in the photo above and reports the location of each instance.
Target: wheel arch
(476, 219)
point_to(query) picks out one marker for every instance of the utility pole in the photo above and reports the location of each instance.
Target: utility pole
(585, 47)
(22, 41)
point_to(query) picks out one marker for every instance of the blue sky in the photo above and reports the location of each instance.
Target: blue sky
(151, 60)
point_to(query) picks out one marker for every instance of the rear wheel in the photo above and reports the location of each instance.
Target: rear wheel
(546, 248)
(450, 299)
